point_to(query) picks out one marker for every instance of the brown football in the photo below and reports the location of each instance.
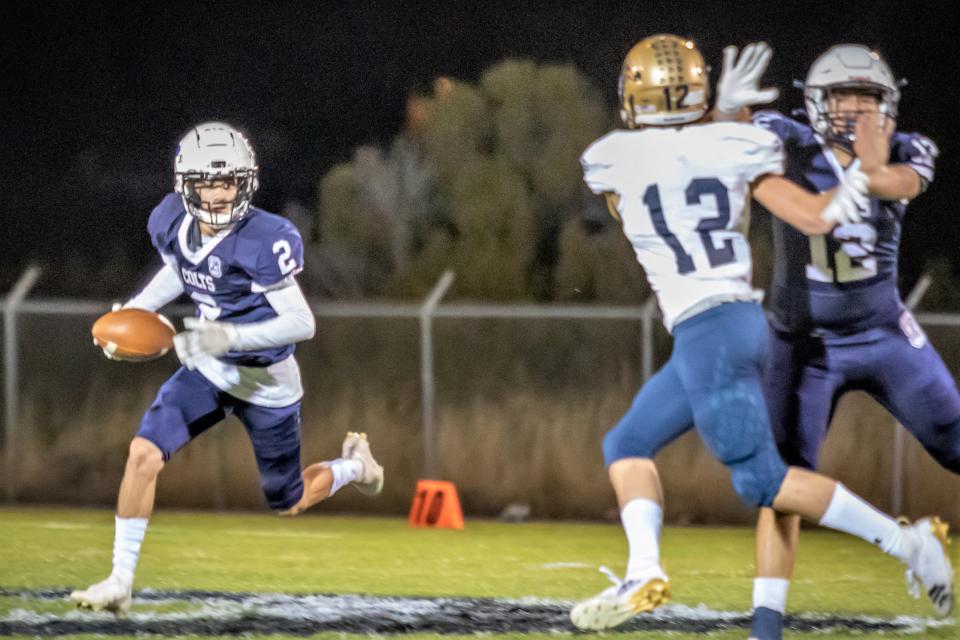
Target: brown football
(133, 334)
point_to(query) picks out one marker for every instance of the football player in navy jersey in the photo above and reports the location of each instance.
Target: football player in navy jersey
(677, 179)
(238, 264)
(838, 323)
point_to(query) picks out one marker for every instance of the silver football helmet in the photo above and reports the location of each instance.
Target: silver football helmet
(847, 66)
(209, 151)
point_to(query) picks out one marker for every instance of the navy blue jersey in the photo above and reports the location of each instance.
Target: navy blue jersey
(227, 276)
(844, 282)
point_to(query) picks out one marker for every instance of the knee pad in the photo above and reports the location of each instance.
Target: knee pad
(619, 443)
(757, 478)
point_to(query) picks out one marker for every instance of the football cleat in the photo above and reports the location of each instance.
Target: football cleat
(357, 447)
(111, 595)
(929, 565)
(617, 604)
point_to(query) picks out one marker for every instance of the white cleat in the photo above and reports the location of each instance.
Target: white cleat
(617, 604)
(929, 565)
(357, 447)
(111, 595)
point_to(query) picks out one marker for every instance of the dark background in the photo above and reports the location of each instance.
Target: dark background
(96, 94)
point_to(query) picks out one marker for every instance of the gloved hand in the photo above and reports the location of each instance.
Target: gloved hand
(851, 203)
(202, 339)
(739, 84)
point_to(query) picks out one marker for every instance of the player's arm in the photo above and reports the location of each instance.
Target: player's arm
(793, 204)
(163, 288)
(294, 323)
(613, 205)
(896, 181)
(809, 213)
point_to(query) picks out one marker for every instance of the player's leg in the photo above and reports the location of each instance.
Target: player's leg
(659, 414)
(921, 546)
(913, 383)
(186, 406)
(714, 352)
(275, 434)
(801, 394)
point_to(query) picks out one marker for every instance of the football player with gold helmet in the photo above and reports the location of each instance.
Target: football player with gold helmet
(679, 183)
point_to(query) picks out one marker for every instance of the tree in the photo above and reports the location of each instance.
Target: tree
(483, 180)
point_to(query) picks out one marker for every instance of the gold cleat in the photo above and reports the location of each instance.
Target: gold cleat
(617, 604)
(941, 531)
(652, 595)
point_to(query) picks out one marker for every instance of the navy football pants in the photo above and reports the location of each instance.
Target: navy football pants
(188, 404)
(713, 380)
(805, 377)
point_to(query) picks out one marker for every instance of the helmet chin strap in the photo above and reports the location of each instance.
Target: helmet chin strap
(194, 237)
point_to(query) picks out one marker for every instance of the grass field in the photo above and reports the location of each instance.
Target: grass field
(46, 551)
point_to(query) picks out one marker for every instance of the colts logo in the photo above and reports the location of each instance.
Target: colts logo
(214, 266)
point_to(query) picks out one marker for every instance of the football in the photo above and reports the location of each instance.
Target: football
(133, 334)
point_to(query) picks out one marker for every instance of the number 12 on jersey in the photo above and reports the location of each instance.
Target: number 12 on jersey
(698, 187)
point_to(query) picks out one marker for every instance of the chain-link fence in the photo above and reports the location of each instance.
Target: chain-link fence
(508, 401)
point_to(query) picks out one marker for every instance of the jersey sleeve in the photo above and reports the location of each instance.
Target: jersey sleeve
(599, 164)
(160, 226)
(758, 151)
(776, 123)
(917, 151)
(280, 257)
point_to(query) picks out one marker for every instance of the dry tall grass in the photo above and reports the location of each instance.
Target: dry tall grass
(521, 410)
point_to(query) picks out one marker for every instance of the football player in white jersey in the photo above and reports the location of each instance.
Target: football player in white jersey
(238, 264)
(679, 185)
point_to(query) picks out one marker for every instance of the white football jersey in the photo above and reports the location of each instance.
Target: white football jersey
(682, 199)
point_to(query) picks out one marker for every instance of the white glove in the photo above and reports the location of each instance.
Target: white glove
(851, 202)
(203, 338)
(740, 79)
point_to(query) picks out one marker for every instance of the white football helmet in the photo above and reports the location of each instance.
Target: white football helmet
(847, 66)
(215, 150)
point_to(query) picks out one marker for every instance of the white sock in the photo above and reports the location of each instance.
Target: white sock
(770, 593)
(344, 472)
(849, 513)
(128, 536)
(642, 520)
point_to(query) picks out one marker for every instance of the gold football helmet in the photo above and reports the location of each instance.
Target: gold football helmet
(663, 82)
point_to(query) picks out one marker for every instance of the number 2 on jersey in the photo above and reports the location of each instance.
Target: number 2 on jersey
(694, 193)
(284, 261)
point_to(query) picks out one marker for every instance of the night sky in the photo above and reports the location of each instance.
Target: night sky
(97, 93)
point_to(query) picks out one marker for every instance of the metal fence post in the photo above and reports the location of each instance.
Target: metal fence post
(427, 387)
(646, 329)
(899, 433)
(11, 376)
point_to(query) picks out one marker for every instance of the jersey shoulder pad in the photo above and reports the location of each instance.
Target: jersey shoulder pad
(916, 150)
(785, 128)
(601, 159)
(164, 221)
(752, 151)
(270, 248)
(607, 149)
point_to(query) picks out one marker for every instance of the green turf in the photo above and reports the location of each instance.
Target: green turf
(243, 552)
